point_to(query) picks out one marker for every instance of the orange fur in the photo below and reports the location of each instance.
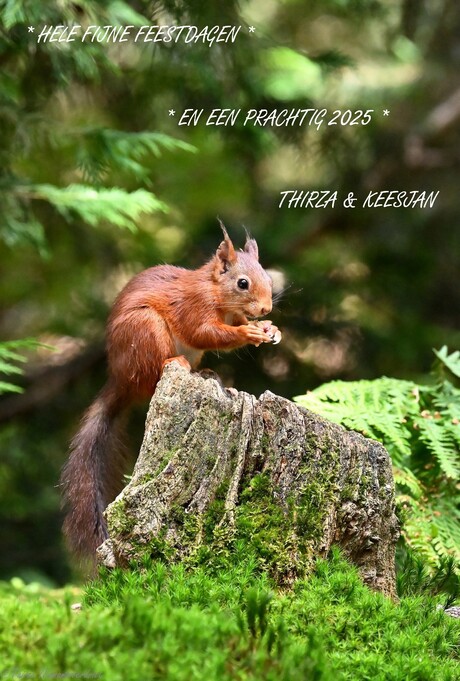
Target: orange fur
(162, 313)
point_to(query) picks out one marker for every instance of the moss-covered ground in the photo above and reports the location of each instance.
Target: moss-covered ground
(174, 624)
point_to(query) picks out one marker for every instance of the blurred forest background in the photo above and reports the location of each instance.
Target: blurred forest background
(97, 182)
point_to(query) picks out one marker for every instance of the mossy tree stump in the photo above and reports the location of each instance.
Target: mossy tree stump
(221, 471)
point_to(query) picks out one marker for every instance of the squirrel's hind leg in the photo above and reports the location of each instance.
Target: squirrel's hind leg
(180, 359)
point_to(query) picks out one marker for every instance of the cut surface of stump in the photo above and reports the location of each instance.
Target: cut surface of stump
(219, 467)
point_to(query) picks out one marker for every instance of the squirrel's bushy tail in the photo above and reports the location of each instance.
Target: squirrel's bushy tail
(93, 475)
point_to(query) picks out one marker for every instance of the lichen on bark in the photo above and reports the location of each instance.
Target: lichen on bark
(220, 469)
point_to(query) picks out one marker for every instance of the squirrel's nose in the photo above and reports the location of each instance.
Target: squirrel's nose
(265, 310)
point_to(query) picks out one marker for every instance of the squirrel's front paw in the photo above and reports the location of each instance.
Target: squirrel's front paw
(254, 334)
(270, 329)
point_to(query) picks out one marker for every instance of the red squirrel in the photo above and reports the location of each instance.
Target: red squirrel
(163, 313)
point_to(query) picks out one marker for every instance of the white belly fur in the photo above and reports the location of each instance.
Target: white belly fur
(191, 354)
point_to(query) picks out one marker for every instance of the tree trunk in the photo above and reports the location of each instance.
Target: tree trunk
(220, 469)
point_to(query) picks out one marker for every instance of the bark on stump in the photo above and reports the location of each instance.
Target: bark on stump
(217, 466)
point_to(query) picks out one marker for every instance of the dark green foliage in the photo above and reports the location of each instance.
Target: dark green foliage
(420, 427)
(96, 150)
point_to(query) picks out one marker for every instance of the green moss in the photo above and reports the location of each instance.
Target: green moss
(148, 477)
(177, 514)
(121, 523)
(311, 510)
(159, 548)
(268, 530)
(316, 495)
(364, 484)
(222, 490)
(282, 537)
(210, 460)
(348, 493)
(188, 527)
(281, 534)
(165, 459)
(165, 622)
(265, 442)
(256, 488)
(356, 488)
(212, 517)
(192, 527)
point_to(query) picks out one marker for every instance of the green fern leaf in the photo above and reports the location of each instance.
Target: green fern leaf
(439, 441)
(420, 427)
(94, 206)
(101, 149)
(452, 361)
(9, 357)
(9, 388)
(404, 477)
(13, 12)
(365, 406)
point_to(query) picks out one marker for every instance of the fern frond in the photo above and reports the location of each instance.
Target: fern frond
(10, 358)
(9, 388)
(452, 361)
(100, 149)
(137, 143)
(416, 529)
(420, 427)
(446, 524)
(404, 477)
(431, 530)
(440, 442)
(120, 13)
(13, 12)
(446, 400)
(453, 428)
(18, 225)
(94, 206)
(377, 409)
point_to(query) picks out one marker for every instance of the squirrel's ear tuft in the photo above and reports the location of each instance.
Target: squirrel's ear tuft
(223, 228)
(225, 254)
(251, 247)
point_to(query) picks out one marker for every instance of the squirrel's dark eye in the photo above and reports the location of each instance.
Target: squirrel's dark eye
(243, 284)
